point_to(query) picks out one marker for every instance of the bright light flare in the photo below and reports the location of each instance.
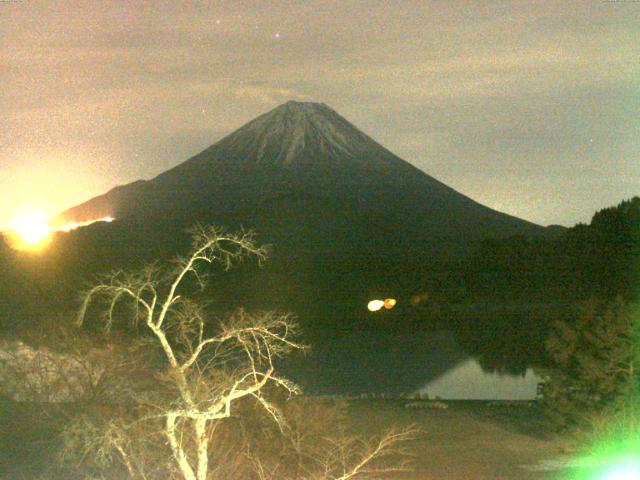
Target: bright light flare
(626, 471)
(375, 305)
(31, 230)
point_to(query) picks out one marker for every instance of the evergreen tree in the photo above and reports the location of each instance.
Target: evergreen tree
(594, 361)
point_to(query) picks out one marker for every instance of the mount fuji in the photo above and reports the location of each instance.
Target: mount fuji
(311, 184)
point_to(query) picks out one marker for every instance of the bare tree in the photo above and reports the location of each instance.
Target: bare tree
(208, 373)
(55, 367)
(342, 456)
(319, 445)
(168, 422)
(350, 456)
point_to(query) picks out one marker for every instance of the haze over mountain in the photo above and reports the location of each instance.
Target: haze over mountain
(303, 176)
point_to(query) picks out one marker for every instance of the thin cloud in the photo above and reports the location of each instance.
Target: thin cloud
(267, 95)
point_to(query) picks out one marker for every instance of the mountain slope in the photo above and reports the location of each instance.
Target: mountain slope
(308, 150)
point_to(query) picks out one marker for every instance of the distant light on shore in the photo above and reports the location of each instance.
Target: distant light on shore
(375, 305)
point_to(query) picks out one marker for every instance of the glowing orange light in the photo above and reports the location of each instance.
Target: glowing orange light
(389, 303)
(30, 231)
(32, 228)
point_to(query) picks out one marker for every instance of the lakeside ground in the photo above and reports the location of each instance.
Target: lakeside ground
(470, 440)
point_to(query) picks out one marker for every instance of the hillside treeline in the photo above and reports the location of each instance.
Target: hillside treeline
(517, 289)
(601, 260)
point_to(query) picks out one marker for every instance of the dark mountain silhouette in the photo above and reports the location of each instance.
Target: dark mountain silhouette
(304, 177)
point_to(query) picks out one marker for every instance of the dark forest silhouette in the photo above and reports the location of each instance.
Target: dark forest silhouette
(499, 301)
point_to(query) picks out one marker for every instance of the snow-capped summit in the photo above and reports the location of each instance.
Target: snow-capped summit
(298, 134)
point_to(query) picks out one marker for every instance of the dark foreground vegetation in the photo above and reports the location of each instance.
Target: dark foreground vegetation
(467, 440)
(182, 393)
(507, 291)
(190, 391)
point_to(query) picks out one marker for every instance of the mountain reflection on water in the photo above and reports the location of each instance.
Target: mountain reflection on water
(406, 362)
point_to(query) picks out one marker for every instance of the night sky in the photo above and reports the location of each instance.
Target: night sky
(531, 108)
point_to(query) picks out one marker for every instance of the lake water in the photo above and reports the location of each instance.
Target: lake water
(403, 363)
(467, 381)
